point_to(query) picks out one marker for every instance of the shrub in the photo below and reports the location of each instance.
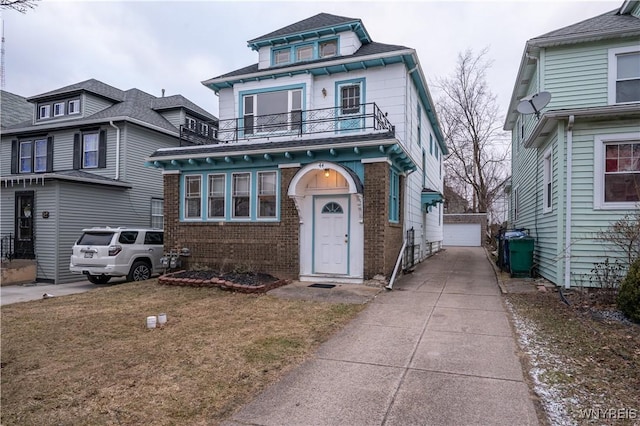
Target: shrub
(629, 293)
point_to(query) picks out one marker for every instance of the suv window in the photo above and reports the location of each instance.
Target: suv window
(128, 237)
(95, 239)
(153, 238)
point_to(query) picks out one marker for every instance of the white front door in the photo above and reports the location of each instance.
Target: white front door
(331, 235)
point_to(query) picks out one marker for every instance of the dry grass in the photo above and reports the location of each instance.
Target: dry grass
(88, 358)
(587, 361)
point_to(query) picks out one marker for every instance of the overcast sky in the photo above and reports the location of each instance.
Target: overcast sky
(174, 45)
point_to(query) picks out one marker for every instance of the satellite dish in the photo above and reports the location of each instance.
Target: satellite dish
(532, 104)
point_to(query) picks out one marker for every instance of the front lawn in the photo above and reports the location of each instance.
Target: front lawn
(89, 358)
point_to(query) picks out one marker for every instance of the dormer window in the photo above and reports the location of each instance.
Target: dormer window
(73, 107)
(44, 111)
(304, 53)
(282, 56)
(204, 129)
(191, 123)
(58, 109)
(328, 48)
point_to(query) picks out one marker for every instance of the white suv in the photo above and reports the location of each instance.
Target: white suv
(102, 253)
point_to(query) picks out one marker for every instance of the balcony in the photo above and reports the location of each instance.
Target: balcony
(335, 121)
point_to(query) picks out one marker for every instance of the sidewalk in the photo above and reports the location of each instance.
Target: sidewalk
(437, 350)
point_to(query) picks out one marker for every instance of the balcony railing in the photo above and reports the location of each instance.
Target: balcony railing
(337, 121)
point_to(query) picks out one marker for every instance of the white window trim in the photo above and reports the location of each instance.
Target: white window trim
(62, 104)
(191, 124)
(598, 184)
(290, 110)
(547, 179)
(30, 157)
(155, 215)
(613, 71)
(84, 150)
(76, 107)
(184, 199)
(46, 109)
(250, 196)
(224, 197)
(275, 194)
(36, 142)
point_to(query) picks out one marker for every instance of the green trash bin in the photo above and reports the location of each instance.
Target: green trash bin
(521, 256)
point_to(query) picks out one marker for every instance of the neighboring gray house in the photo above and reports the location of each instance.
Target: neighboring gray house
(78, 161)
(14, 109)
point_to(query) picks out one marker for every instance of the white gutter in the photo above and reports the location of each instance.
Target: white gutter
(567, 226)
(117, 149)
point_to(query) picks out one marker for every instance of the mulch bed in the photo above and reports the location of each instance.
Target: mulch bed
(233, 281)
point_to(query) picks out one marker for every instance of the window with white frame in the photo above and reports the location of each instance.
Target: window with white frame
(73, 107)
(617, 171)
(192, 197)
(157, 213)
(217, 185)
(267, 194)
(44, 111)
(547, 182)
(624, 75)
(241, 195)
(328, 48)
(191, 123)
(204, 129)
(279, 110)
(58, 109)
(90, 147)
(26, 151)
(40, 155)
(304, 53)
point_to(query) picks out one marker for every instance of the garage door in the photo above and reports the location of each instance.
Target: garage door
(462, 234)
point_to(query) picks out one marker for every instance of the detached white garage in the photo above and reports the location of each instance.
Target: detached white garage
(462, 234)
(464, 230)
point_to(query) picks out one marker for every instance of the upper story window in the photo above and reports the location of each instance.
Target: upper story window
(350, 99)
(624, 75)
(282, 56)
(32, 155)
(328, 48)
(204, 129)
(73, 106)
(191, 123)
(279, 110)
(44, 111)
(58, 109)
(419, 113)
(617, 171)
(304, 53)
(90, 150)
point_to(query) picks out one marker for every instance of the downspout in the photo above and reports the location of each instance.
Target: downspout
(567, 226)
(117, 149)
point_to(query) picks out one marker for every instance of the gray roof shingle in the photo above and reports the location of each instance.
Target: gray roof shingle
(14, 109)
(593, 27)
(92, 85)
(321, 20)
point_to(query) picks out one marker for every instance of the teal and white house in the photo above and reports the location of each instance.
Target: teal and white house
(329, 152)
(576, 167)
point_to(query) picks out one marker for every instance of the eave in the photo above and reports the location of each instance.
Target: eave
(549, 120)
(355, 26)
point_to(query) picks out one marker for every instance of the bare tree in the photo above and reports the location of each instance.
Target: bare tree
(479, 154)
(21, 6)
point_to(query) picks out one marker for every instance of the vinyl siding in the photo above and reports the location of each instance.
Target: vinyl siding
(93, 104)
(176, 117)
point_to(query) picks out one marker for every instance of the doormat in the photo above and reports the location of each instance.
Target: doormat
(322, 285)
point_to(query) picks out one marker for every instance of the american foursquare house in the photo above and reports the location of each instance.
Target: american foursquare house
(73, 158)
(576, 167)
(329, 154)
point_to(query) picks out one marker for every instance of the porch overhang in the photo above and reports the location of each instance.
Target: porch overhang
(235, 155)
(430, 198)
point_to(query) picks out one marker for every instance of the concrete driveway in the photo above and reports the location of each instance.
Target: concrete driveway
(34, 291)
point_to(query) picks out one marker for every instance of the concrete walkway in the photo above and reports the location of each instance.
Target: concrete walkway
(437, 350)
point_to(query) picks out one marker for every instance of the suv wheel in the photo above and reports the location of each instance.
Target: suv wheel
(140, 271)
(98, 279)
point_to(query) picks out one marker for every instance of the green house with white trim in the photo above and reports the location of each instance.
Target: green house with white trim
(576, 164)
(328, 163)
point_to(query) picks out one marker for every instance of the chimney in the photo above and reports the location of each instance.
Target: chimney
(163, 93)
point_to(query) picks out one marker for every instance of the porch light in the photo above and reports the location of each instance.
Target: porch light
(326, 173)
